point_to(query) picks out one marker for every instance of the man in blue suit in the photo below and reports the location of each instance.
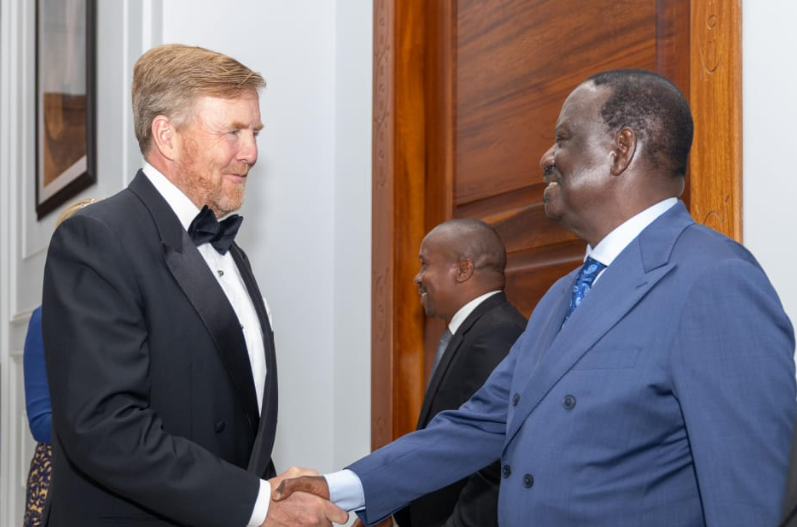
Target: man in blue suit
(653, 387)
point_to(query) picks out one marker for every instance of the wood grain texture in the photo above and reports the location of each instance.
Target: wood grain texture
(381, 228)
(398, 227)
(715, 93)
(673, 36)
(440, 98)
(516, 63)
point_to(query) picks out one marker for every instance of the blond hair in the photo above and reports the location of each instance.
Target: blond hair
(72, 208)
(168, 79)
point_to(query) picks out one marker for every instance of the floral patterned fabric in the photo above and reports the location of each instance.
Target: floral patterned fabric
(38, 483)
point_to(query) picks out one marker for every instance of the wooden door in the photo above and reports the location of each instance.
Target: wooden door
(466, 96)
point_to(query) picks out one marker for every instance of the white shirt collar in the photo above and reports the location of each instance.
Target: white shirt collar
(613, 244)
(463, 313)
(183, 207)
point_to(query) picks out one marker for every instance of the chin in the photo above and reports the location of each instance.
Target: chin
(231, 204)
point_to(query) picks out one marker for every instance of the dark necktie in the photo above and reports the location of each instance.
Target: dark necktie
(586, 276)
(220, 234)
(441, 348)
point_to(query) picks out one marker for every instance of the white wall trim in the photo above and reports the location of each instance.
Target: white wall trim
(12, 35)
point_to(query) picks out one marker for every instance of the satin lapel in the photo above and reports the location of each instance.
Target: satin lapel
(451, 351)
(264, 442)
(624, 283)
(204, 293)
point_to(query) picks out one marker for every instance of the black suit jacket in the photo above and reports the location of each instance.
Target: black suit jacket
(480, 343)
(790, 498)
(155, 418)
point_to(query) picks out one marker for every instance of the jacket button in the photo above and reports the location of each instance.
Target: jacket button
(506, 471)
(528, 481)
(569, 402)
(220, 427)
(515, 399)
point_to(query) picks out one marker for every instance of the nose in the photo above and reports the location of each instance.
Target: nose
(248, 153)
(547, 158)
(417, 279)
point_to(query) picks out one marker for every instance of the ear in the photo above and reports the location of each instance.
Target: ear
(165, 137)
(625, 144)
(464, 271)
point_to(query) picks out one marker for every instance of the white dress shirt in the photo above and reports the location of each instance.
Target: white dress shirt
(229, 277)
(465, 311)
(345, 487)
(616, 241)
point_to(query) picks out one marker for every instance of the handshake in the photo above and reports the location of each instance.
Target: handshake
(299, 498)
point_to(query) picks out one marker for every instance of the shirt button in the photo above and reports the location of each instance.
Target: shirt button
(221, 273)
(506, 471)
(220, 427)
(515, 399)
(528, 481)
(569, 402)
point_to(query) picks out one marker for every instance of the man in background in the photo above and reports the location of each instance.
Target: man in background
(461, 281)
(653, 386)
(158, 342)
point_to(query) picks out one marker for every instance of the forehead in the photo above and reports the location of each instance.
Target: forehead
(435, 243)
(242, 111)
(582, 106)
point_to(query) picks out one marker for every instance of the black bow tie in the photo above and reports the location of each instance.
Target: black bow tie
(220, 234)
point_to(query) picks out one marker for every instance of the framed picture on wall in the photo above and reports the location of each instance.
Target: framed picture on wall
(65, 100)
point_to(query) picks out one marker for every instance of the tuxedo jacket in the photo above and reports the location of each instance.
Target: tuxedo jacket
(479, 344)
(155, 417)
(668, 399)
(790, 499)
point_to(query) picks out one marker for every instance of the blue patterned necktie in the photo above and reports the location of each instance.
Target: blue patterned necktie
(588, 273)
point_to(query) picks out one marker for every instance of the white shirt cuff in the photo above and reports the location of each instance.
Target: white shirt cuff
(346, 490)
(261, 505)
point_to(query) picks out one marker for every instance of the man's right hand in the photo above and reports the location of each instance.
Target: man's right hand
(304, 506)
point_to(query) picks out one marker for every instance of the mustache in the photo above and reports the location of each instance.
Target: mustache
(549, 171)
(241, 169)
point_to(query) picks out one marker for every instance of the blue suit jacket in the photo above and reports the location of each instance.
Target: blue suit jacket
(668, 399)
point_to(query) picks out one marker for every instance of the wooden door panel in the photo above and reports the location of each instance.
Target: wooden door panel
(516, 61)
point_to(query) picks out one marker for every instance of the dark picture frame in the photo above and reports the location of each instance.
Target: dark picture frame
(66, 66)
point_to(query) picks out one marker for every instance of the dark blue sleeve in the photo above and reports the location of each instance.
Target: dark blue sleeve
(37, 393)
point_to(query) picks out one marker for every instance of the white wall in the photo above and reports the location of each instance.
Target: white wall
(307, 212)
(770, 113)
(352, 278)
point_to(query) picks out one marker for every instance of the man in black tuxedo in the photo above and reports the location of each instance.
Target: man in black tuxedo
(461, 281)
(158, 343)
